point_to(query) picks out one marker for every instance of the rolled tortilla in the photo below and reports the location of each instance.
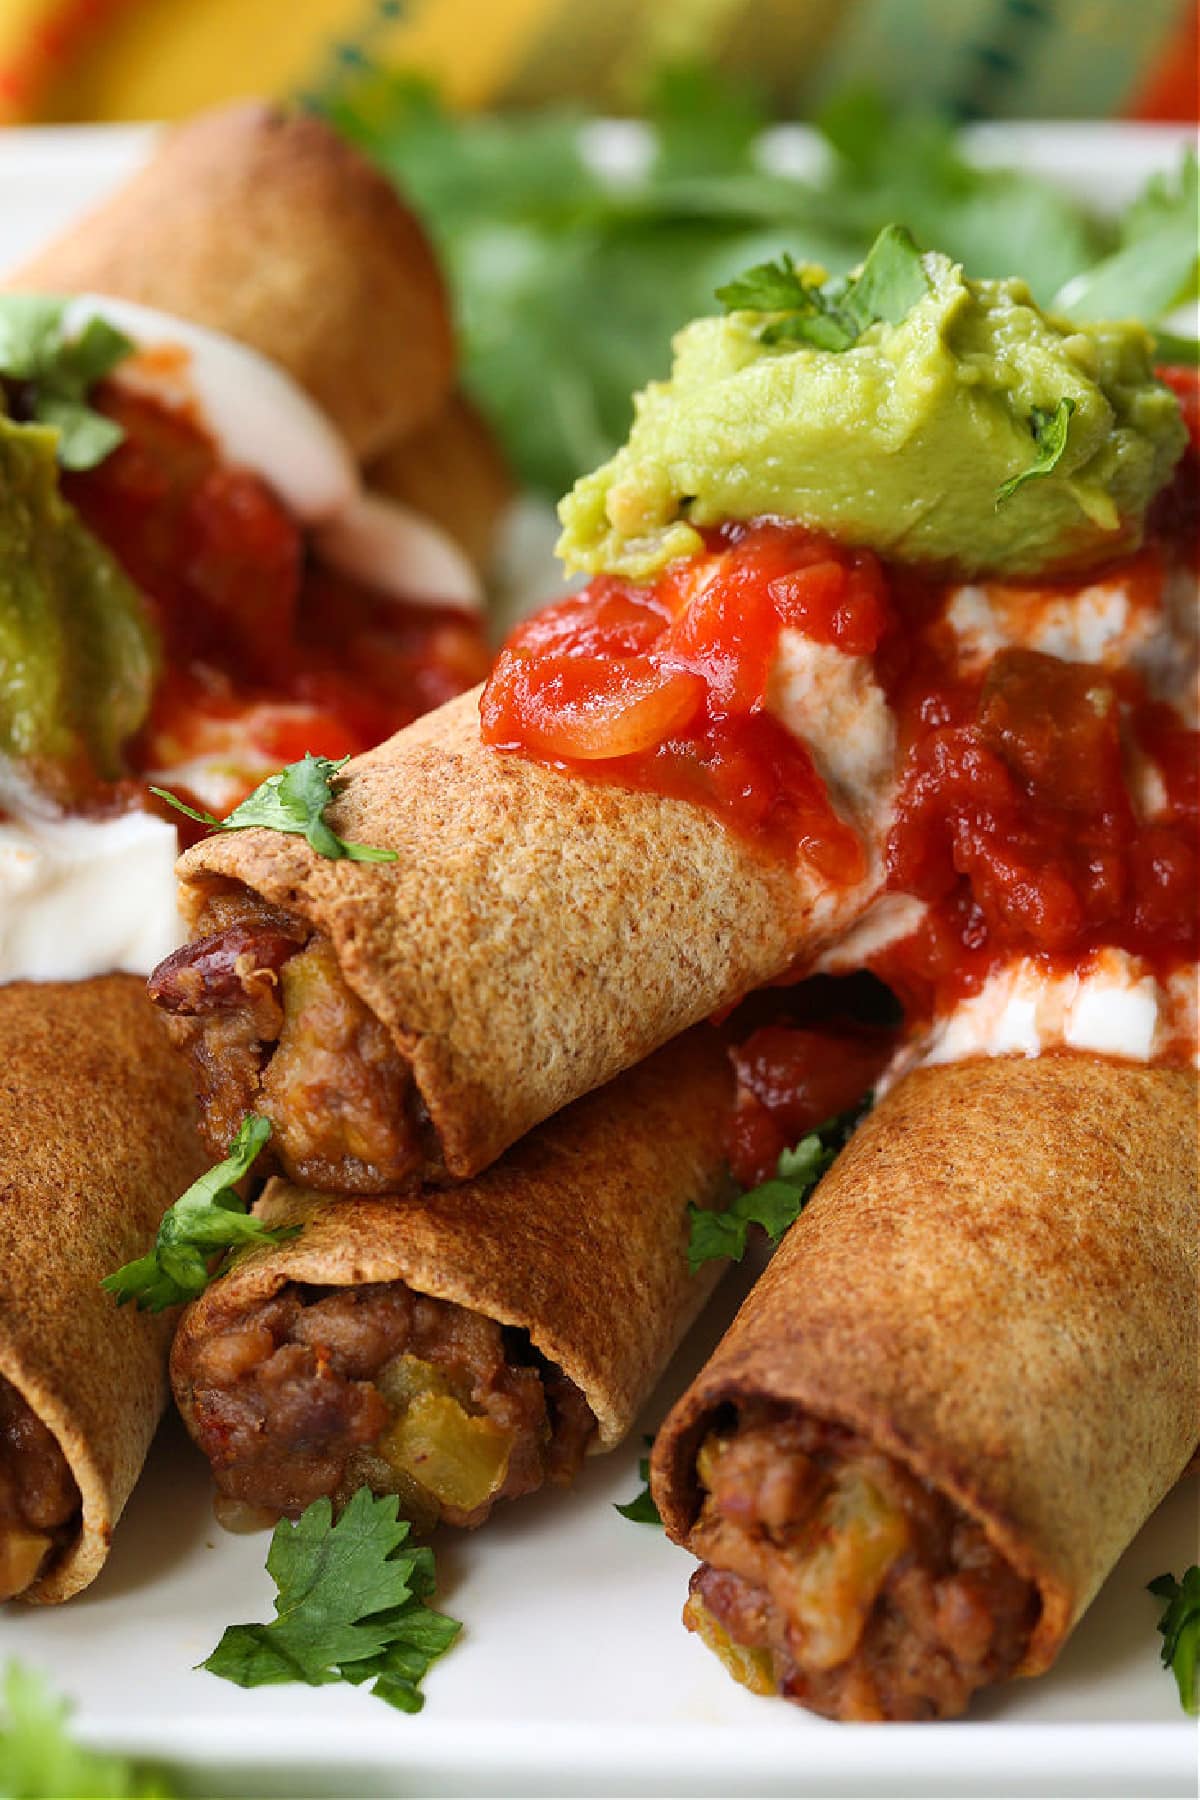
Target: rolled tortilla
(269, 227)
(537, 934)
(97, 1138)
(985, 1324)
(575, 1245)
(450, 471)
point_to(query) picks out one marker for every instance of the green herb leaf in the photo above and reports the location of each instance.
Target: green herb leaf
(208, 1218)
(891, 281)
(769, 287)
(350, 1606)
(294, 802)
(59, 372)
(1180, 1628)
(1157, 267)
(39, 1761)
(832, 315)
(641, 1509)
(774, 1205)
(1050, 436)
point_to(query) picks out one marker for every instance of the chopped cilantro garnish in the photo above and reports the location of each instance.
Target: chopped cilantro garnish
(39, 1760)
(209, 1217)
(1180, 1628)
(294, 802)
(350, 1607)
(1049, 431)
(641, 1509)
(57, 372)
(832, 315)
(774, 1204)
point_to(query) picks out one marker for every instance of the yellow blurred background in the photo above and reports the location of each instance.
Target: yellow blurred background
(134, 59)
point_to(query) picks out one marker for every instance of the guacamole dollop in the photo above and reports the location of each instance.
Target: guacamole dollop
(900, 442)
(78, 655)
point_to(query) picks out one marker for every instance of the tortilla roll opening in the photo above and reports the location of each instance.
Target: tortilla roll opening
(832, 1575)
(536, 934)
(268, 226)
(987, 1314)
(316, 1391)
(40, 1501)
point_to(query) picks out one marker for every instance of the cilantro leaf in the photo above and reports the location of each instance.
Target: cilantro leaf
(1157, 266)
(39, 1760)
(1172, 349)
(350, 1606)
(641, 1509)
(832, 315)
(768, 287)
(1050, 436)
(292, 801)
(57, 373)
(209, 1217)
(891, 281)
(1180, 1628)
(775, 1205)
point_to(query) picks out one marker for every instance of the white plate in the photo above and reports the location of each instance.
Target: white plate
(573, 1675)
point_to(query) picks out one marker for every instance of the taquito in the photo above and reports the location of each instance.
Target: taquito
(97, 1138)
(964, 1381)
(465, 1345)
(537, 934)
(269, 227)
(451, 471)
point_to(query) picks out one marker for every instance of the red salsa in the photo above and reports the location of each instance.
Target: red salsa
(266, 654)
(1016, 817)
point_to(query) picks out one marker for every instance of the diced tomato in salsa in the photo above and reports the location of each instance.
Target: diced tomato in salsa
(267, 655)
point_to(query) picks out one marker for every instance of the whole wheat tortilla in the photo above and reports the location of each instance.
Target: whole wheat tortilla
(268, 226)
(538, 932)
(998, 1285)
(97, 1138)
(579, 1236)
(451, 471)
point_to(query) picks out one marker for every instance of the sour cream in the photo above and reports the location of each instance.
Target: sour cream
(80, 897)
(1113, 1006)
(833, 704)
(263, 420)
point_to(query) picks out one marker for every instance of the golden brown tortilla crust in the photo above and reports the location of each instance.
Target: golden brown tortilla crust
(450, 471)
(997, 1283)
(270, 227)
(579, 1236)
(98, 1138)
(538, 933)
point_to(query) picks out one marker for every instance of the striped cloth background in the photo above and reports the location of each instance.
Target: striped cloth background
(124, 59)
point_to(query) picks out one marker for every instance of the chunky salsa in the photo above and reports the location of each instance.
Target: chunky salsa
(266, 654)
(1018, 815)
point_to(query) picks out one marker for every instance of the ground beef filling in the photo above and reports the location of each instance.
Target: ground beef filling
(321, 1390)
(39, 1501)
(834, 1577)
(259, 1004)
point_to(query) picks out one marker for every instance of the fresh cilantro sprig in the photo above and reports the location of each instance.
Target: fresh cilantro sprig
(774, 1204)
(350, 1606)
(1049, 429)
(40, 1761)
(57, 372)
(211, 1216)
(294, 802)
(832, 315)
(1180, 1628)
(641, 1509)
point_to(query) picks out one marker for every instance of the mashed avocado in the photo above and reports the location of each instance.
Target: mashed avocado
(77, 654)
(900, 442)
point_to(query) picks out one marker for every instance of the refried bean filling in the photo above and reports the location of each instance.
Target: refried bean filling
(259, 1005)
(40, 1503)
(320, 1390)
(833, 1576)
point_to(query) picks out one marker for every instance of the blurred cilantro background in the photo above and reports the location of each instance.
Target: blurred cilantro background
(576, 249)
